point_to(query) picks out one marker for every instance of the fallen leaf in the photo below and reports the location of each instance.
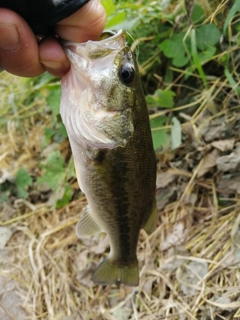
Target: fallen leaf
(235, 234)
(229, 183)
(5, 175)
(5, 235)
(164, 179)
(208, 162)
(176, 133)
(223, 145)
(221, 128)
(122, 313)
(85, 268)
(101, 246)
(175, 258)
(230, 162)
(163, 196)
(191, 275)
(223, 303)
(7, 211)
(231, 258)
(176, 237)
(10, 302)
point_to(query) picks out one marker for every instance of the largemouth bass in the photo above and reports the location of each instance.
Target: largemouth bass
(105, 114)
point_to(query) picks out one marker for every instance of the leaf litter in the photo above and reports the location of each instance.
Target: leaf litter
(189, 266)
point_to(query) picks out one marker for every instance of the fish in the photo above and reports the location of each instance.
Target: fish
(104, 111)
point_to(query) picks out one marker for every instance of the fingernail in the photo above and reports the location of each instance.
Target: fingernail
(55, 65)
(9, 39)
(98, 5)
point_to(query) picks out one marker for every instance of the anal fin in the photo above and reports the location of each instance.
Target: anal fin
(87, 225)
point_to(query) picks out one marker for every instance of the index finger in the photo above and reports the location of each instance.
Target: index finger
(85, 24)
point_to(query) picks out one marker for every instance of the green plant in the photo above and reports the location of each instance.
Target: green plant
(176, 52)
(54, 176)
(23, 182)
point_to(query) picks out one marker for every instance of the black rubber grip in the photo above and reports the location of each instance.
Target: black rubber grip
(42, 15)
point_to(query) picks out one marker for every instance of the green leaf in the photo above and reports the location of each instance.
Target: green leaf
(207, 35)
(42, 81)
(175, 48)
(206, 55)
(231, 81)
(180, 61)
(108, 6)
(161, 98)
(116, 19)
(198, 15)
(176, 133)
(195, 56)
(159, 134)
(23, 181)
(60, 133)
(71, 169)
(53, 99)
(66, 196)
(48, 133)
(165, 98)
(151, 100)
(53, 171)
(235, 8)
(57, 134)
(3, 196)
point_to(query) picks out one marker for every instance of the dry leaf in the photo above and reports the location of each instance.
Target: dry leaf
(191, 276)
(5, 235)
(230, 162)
(122, 313)
(163, 196)
(229, 184)
(10, 302)
(85, 268)
(209, 161)
(164, 179)
(224, 303)
(5, 175)
(176, 237)
(175, 258)
(224, 145)
(235, 235)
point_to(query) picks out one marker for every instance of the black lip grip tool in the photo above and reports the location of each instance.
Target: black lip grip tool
(42, 15)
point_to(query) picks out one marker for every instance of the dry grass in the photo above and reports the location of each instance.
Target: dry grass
(189, 265)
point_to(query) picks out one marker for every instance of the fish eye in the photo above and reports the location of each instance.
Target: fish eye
(126, 73)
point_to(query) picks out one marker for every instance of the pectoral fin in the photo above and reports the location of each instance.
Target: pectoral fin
(150, 225)
(87, 225)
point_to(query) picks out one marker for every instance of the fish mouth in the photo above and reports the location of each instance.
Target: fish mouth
(107, 34)
(107, 42)
(111, 34)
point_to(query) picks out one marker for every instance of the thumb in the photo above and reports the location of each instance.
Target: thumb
(18, 45)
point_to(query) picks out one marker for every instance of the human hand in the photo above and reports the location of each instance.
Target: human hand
(23, 55)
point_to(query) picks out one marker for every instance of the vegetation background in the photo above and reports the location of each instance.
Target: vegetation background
(189, 60)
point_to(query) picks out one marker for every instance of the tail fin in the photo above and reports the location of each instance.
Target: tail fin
(109, 273)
